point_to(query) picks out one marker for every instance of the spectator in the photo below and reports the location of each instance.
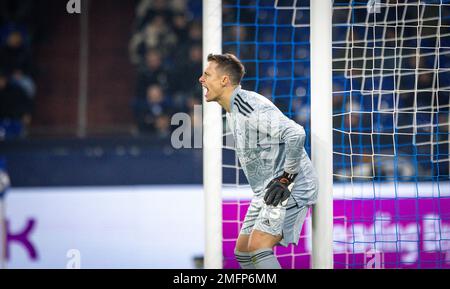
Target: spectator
(16, 11)
(191, 36)
(24, 82)
(361, 170)
(302, 110)
(402, 168)
(14, 103)
(180, 27)
(162, 126)
(182, 82)
(15, 55)
(156, 35)
(195, 32)
(151, 72)
(178, 6)
(147, 10)
(166, 35)
(148, 110)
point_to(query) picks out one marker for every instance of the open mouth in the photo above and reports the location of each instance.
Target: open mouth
(207, 90)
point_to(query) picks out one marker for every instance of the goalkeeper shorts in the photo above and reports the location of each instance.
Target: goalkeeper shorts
(286, 221)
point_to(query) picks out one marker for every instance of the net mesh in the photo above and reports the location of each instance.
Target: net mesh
(391, 87)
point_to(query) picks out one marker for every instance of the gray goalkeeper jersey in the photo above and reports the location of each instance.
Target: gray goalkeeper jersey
(268, 143)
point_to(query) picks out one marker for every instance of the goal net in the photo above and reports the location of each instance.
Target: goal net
(391, 87)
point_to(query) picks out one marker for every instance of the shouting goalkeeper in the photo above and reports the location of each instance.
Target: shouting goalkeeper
(271, 151)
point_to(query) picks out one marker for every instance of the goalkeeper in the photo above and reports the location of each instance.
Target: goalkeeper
(270, 148)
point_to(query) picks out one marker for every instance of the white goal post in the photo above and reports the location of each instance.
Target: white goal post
(212, 143)
(322, 131)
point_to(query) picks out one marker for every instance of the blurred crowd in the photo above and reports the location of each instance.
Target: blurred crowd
(18, 30)
(166, 49)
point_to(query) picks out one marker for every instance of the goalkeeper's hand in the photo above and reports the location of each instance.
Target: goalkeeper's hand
(277, 191)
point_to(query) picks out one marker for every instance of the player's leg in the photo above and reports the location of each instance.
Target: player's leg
(279, 225)
(242, 242)
(261, 240)
(241, 252)
(261, 247)
(267, 232)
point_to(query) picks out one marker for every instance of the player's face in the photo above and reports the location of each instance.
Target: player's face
(211, 80)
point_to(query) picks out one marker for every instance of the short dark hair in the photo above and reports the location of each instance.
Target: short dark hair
(230, 64)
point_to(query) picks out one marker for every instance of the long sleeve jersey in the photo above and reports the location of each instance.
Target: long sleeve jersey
(268, 143)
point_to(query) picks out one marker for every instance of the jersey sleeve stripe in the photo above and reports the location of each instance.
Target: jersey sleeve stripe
(239, 104)
(240, 110)
(239, 98)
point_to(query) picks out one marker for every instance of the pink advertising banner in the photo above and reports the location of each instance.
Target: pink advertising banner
(400, 231)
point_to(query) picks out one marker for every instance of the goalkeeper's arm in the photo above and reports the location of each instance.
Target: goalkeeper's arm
(278, 191)
(274, 123)
(271, 121)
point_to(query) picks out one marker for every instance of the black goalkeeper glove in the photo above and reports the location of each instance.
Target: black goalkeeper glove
(277, 191)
